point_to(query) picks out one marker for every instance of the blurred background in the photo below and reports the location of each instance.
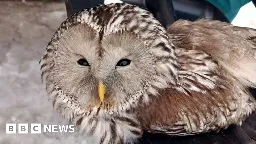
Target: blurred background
(25, 30)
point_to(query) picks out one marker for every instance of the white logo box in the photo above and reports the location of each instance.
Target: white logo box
(23, 128)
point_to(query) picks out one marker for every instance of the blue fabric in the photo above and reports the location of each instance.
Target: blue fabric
(229, 8)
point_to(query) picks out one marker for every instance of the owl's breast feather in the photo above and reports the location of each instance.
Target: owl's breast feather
(108, 128)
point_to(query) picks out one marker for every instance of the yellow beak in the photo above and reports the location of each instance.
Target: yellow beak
(101, 91)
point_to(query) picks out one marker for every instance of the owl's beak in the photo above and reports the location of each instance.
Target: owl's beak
(101, 91)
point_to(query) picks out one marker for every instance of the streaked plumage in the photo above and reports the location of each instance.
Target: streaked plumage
(191, 78)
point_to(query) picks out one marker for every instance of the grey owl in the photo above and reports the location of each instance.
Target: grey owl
(116, 72)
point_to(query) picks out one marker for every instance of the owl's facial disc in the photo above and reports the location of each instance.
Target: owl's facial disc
(103, 72)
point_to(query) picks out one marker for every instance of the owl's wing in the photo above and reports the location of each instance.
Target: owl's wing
(232, 47)
(217, 65)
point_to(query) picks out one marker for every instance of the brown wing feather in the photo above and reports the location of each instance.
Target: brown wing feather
(211, 94)
(184, 111)
(233, 47)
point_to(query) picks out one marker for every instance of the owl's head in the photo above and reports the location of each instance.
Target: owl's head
(107, 58)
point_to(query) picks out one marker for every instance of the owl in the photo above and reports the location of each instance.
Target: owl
(116, 72)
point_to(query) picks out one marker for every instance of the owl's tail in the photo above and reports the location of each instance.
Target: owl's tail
(232, 47)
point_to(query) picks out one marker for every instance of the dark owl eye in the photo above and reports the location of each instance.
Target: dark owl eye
(123, 62)
(83, 62)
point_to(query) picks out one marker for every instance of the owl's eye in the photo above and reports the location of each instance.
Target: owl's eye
(83, 62)
(123, 62)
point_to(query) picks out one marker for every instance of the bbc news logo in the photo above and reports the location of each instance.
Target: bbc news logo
(37, 128)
